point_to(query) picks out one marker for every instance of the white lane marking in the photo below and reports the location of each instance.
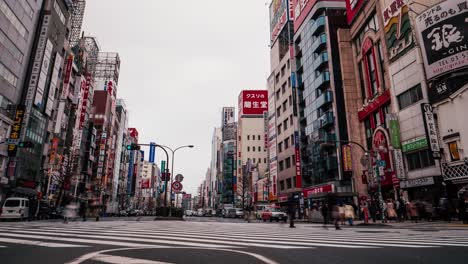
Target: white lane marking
(123, 260)
(38, 243)
(91, 255)
(89, 241)
(313, 240)
(2, 246)
(117, 237)
(180, 240)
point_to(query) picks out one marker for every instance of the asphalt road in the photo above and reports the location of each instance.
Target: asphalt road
(217, 240)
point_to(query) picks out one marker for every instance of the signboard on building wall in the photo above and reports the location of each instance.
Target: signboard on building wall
(443, 36)
(228, 116)
(298, 160)
(15, 131)
(278, 17)
(394, 129)
(44, 72)
(84, 99)
(398, 34)
(253, 102)
(414, 144)
(352, 8)
(133, 133)
(347, 160)
(431, 131)
(317, 190)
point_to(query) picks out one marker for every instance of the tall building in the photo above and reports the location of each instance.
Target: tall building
(323, 122)
(283, 128)
(38, 93)
(18, 22)
(215, 167)
(251, 143)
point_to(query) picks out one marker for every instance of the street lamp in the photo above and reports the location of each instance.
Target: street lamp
(172, 169)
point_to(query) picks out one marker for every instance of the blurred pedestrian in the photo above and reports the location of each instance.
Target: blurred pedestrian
(292, 214)
(373, 210)
(463, 209)
(365, 212)
(412, 211)
(336, 216)
(391, 213)
(428, 210)
(349, 214)
(401, 209)
(341, 213)
(325, 212)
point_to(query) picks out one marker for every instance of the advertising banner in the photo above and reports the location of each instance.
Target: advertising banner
(431, 132)
(347, 160)
(443, 36)
(16, 130)
(394, 126)
(253, 102)
(278, 17)
(398, 34)
(352, 8)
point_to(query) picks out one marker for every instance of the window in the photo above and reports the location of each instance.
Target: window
(289, 81)
(277, 95)
(239, 138)
(259, 160)
(377, 119)
(59, 12)
(264, 160)
(361, 82)
(248, 137)
(280, 147)
(291, 120)
(281, 165)
(253, 148)
(278, 111)
(283, 88)
(292, 139)
(259, 149)
(369, 132)
(281, 185)
(10, 47)
(381, 61)
(279, 129)
(294, 182)
(8, 75)
(419, 160)
(454, 153)
(248, 149)
(288, 163)
(253, 160)
(290, 100)
(282, 70)
(27, 8)
(277, 78)
(372, 73)
(284, 105)
(287, 64)
(285, 124)
(288, 183)
(410, 97)
(259, 138)
(5, 9)
(286, 143)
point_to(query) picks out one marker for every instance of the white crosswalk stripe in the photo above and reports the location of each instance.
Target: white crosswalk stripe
(216, 235)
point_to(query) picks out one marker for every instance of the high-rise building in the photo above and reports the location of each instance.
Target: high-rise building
(283, 127)
(251, 143)
(215, 167)
(38, 94)
(322, 111)
(17, 33)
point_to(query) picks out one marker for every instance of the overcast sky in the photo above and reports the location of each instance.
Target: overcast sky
(181, 62)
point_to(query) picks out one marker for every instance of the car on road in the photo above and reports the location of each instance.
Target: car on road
(274, 213)
(235, 213)
(189, 213)
(15, 208)
(200, 212)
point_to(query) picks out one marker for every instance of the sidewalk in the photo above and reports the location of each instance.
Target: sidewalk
(405, 225)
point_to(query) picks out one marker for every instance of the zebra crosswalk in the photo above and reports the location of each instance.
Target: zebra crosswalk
(218, 236)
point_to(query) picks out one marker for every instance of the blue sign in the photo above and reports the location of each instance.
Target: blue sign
(152, 152)
(130, 174)
(381, 163)
(142, 155)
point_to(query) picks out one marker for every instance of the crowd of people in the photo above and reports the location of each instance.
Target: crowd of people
(394, 210)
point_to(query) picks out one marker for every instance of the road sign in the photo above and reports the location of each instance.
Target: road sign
(152, 152)
(179, 177)
(177, 186)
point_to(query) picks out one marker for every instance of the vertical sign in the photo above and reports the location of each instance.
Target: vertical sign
(84, 103)
(15, 131)
(152, 152)
(431, 132)
(394, 131)
(347, 160)
(298, 160)
(398, 163)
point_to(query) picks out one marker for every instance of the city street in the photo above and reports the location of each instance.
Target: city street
(214, 240)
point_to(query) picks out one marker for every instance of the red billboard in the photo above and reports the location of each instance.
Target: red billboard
(253, 102)
(301, 9)
(352, 8)
(278, 17)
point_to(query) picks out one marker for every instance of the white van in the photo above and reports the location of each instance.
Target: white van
(15, 208)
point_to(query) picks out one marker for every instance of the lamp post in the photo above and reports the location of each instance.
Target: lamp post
(172, 168)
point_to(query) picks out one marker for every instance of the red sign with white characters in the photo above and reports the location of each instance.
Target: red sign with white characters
(283, 198)
(374, 105)
(316, 190)
(352, 8)
(85, 96)
(253, 102)
(133, 133)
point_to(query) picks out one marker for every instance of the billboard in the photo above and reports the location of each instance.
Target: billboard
(133, 133)
(352, 8)
(253, 102)
(228, 116)
(443, 36)
(278, 17)
(398, 33)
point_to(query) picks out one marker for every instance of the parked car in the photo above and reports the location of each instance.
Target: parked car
(188, 213)
(56, 213)
(274, 213)
(235, 213)
(208, 213)
(15, 208)
(200, 212)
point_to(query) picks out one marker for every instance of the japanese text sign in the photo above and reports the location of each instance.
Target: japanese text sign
(444, 37)
(253, 102)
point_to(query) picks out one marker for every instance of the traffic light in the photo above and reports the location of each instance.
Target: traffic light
(133, 147)
(25, 144)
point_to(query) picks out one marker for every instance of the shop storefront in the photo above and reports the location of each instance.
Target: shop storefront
(426, 189)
